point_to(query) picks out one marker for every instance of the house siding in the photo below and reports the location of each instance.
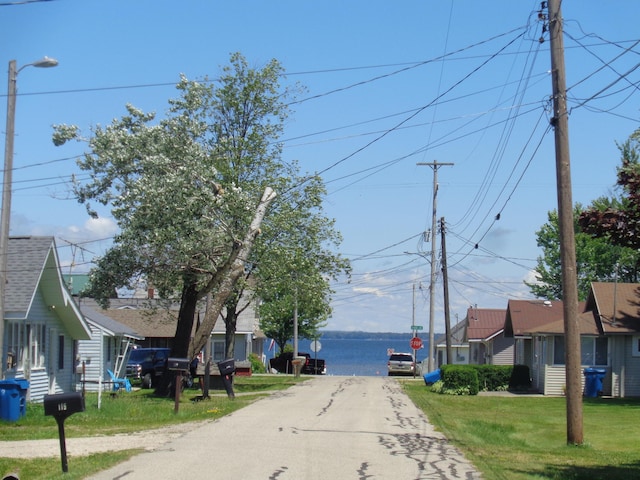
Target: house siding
(49, 378)
(629, 376)
(90, 354)
(502, 350)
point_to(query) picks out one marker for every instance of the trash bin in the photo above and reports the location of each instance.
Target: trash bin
(13, 399)
(593, 378)
(432, 377)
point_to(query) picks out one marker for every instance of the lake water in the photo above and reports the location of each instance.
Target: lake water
(359, 356)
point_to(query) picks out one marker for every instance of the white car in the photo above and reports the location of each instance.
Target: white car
(401, 364)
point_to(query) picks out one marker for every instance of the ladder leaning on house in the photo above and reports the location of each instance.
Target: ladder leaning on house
(122, 356)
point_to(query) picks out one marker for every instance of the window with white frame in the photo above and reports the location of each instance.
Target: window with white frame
(26, 343)
(593, 351)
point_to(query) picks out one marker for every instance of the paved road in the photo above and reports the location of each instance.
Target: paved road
(326, 428)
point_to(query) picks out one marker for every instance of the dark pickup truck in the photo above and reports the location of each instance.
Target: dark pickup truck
(311, 366)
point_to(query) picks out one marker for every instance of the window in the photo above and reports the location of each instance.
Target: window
(218, 350)
(558, 350)
(61, 352)
(635, 346)
(26, 343)
(594, 350)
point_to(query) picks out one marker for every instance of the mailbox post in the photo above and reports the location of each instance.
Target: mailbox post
(60, 406)
(178, 365)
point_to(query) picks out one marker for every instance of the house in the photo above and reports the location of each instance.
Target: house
(42, 323)
(459, 347)
(537, 327)
(615, 309)
(485, 336)
(107, 349)
(158, 326)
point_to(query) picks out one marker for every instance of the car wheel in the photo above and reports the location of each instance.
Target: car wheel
(147, 381)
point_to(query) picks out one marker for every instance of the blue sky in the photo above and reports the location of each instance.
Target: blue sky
(388, 85)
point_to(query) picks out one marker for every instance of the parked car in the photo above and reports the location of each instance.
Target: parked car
(311, 366)
(401, 364)
(146, 365)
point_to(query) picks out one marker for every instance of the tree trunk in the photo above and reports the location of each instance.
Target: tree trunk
(234, 270)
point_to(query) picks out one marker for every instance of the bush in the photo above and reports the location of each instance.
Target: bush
(493, 378)
(256, 364)
(459, 379)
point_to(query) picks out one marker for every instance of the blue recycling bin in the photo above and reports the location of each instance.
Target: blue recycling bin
(593, 378)
(13, 399)
(431, 377)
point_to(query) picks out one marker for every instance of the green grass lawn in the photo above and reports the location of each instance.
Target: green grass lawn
(126, 412)
(525, 437)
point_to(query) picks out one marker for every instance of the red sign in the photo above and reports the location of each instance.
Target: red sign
(416, 343)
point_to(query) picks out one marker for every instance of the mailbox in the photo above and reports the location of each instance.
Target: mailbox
(227, 367)
(181, 364)
(62, 405)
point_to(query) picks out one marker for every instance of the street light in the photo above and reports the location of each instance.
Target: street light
(5, 215)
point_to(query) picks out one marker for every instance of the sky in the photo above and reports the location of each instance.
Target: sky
(389, 88)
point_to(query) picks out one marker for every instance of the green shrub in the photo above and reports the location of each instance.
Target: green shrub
(256, 364)
(493, 378)
(459, 379)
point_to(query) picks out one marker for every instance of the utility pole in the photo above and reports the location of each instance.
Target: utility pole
(565, 222)
(445, 282)
(432, 285)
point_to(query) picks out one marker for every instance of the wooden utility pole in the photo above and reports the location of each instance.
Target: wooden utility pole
(432, 283)
(445, 282)
(566, 226)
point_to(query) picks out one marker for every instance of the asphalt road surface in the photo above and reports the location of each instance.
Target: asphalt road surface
(326, 428)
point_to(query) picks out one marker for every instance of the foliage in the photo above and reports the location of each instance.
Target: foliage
(459, 379)
(493, 378)
(618, 221)
(256, 364)
(183, 191)
(596, 260)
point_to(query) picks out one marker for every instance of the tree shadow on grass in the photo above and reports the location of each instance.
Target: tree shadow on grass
(596, 472)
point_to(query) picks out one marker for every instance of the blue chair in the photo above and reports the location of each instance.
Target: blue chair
(119, 383)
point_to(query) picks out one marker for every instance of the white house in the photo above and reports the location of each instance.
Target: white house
(42, 323)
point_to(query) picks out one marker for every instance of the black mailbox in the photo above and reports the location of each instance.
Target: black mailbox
(62, 405)
(181, 364)
(227, 367)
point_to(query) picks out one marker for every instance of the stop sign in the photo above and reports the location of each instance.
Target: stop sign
(416, 343)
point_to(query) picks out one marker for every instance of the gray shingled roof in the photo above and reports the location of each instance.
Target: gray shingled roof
(109, 324)
(33, 268)
(26, 261)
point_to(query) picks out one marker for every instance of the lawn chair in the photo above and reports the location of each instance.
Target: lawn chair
(119, 383)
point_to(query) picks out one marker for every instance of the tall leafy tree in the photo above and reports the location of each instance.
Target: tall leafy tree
(597, 260)
(188, 191)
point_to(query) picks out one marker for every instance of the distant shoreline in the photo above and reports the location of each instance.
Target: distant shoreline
(339, 334)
